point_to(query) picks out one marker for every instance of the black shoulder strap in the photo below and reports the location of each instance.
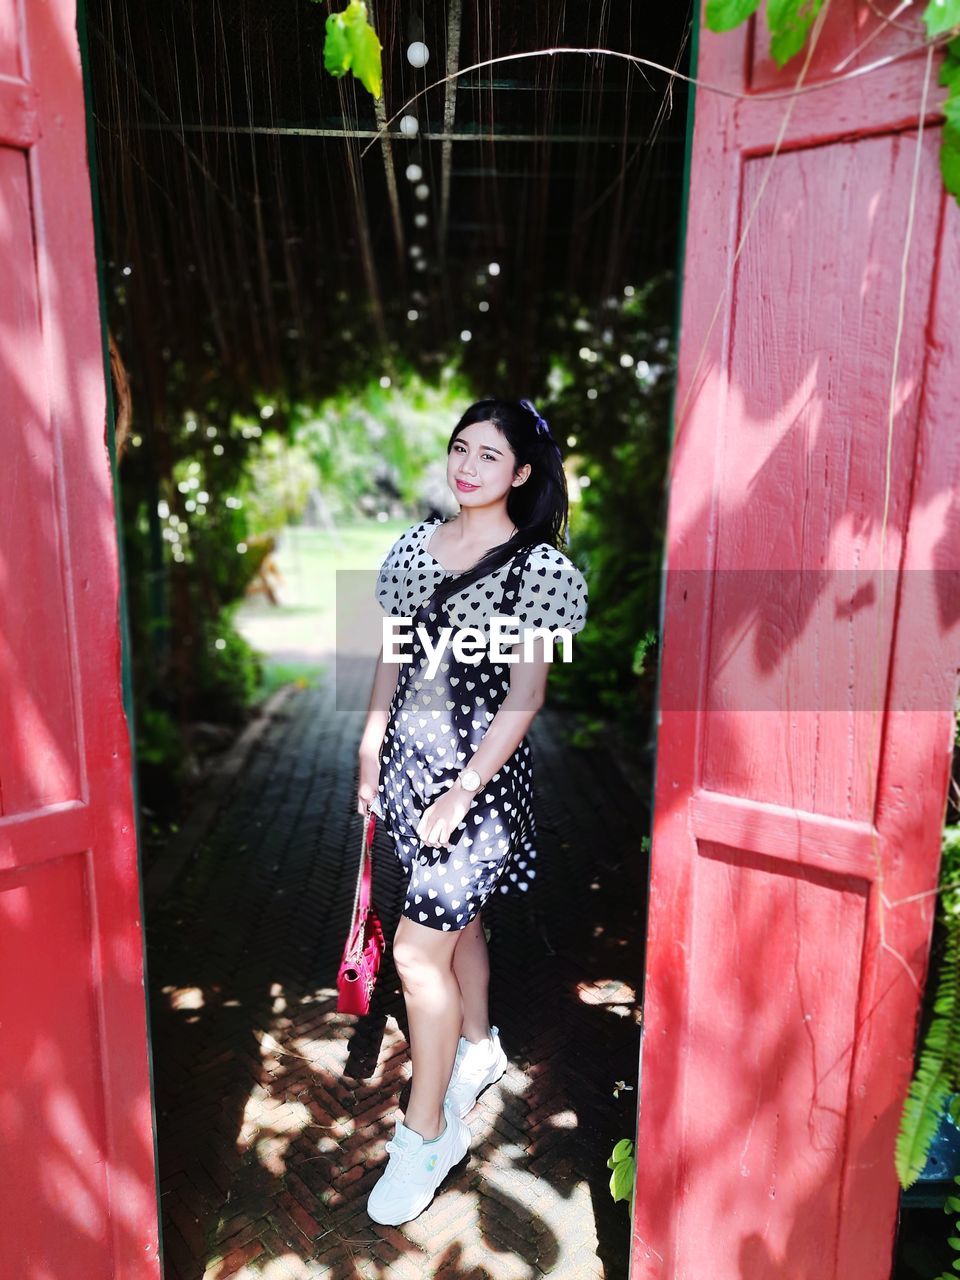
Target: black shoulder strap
(514, 579)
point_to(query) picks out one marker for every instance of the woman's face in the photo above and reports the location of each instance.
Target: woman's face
(480, 466)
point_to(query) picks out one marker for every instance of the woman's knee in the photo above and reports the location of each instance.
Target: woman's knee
(417, 963)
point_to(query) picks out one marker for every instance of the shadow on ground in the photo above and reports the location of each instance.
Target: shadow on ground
(273, 1109)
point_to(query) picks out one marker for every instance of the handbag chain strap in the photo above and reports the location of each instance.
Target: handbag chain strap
(364, 840)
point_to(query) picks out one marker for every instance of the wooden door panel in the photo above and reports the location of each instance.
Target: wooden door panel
(9, 41)
(39, 755)
(847, 28)
(797, 600)
(54, 1202)
(778, 926)
(77, 1178)
(811, 645)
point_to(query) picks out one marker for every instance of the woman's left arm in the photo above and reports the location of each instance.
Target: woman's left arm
(505, 732)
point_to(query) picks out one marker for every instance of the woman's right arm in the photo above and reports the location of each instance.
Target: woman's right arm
(384, 685)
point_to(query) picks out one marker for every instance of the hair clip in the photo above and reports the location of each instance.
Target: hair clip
(542, 428)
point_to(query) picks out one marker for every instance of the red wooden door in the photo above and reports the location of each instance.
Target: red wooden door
(77, 1187)
(810, 658)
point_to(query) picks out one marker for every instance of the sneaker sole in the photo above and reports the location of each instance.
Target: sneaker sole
(394, 1222)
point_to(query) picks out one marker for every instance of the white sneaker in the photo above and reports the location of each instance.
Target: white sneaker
(475, 1067)
(415, 1170)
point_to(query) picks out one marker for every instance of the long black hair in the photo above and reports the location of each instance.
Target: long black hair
(539, 507)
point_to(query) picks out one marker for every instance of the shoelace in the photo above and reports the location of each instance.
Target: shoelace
(402, 1152)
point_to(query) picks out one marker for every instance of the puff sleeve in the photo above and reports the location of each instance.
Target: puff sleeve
(393, 581)
(553, 592)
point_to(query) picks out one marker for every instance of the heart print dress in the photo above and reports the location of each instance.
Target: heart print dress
(436, 722)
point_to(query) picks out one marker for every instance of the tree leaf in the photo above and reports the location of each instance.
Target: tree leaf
(951, 109)
(724, 15)
(938, 1065)
(920, 1116)
(351, 44)
(950, 160)
(366, 59)
(940, 16)
(789, 22)
(622, 1150)
(622, 1179)
(950, 71)
(336, 47)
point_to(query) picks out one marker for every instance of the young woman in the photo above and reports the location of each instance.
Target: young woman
(445, 763)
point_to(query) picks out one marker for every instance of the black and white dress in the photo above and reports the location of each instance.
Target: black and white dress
(435, 723)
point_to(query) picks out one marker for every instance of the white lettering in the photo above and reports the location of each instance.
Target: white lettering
(468, 642)
(501, 630)
(549, 639)
(434, 652)
(391, 639)
(472, 637)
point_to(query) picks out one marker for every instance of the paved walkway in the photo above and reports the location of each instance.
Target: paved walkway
(273, 1109)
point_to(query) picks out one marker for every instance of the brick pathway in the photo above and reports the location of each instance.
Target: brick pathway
(272, 1109)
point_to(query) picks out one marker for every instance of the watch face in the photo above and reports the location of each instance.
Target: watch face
(470, 779)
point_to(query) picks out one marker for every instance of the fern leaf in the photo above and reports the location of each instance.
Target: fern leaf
(936, 1076)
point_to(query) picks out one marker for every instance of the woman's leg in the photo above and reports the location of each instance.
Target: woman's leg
(471, 967)
(424, 962)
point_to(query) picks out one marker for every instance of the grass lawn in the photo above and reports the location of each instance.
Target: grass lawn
(296, 636)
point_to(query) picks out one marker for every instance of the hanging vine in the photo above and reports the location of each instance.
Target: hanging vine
(789, 23)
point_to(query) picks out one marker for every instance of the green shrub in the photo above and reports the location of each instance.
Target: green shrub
(227, 671)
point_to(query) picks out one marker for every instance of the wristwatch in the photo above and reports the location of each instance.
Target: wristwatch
(470, 780)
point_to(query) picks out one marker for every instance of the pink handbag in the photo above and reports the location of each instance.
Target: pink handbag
(358, 970)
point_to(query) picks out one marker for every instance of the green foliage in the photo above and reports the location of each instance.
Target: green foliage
(610, 388)
(351, 44)
(952, 1206)
(158, 740)
(724, 15)
(587, 732)
(206, 490)
(790, 21)
(375, 446)
(207, 529)
(228, 670)
(303, 675)
(941, 16)
(624, 1177)
(644, 645)
(278, 480)
(950, 147)
(938, 1070)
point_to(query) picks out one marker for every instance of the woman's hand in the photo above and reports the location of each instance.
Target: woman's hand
(440, 818)
(369, 781)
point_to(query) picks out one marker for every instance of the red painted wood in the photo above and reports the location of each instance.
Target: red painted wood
(19, 119)
(77, 1182)
(805, 717)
